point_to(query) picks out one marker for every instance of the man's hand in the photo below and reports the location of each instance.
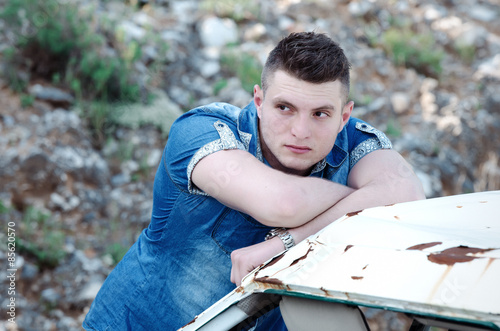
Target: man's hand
(248, 258)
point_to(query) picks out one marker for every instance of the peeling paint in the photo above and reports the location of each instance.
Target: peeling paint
(357, 277)
(194, 320)
(325, 291)
(269, 280)
(347, 247)
(302, 257)
(354, 213)
(457, 254)
(421, 247)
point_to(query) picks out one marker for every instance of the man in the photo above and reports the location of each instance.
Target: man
(292, 159)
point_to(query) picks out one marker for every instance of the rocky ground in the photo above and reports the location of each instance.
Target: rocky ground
(78, 205)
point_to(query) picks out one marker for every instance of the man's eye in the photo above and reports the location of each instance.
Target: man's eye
(320, 114)
(283, 108)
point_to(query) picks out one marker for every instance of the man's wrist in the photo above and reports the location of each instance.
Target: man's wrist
(284, 235)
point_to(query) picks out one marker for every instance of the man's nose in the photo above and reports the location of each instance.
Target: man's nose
(301, 127)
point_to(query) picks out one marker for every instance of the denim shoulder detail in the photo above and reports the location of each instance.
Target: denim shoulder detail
(380, 141)
(227, 141)
(248, 130)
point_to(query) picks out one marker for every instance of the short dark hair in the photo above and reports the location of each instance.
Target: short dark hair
(309, 56)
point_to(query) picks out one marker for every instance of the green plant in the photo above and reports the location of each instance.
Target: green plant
(245, 66)
(57, 41)
(3, 209)
(466, 52)
(41, 237)
(219, 85)
(97, 114)
(117, 251)
(54, 40)
(393, 128)
(26, 100)
(411, 49)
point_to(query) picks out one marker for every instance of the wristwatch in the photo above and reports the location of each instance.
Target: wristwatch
(284, 235)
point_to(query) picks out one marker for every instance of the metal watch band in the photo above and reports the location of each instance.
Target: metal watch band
(284, 235)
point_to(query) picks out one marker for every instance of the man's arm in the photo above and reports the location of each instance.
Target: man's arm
(380, 178)
(240, 181)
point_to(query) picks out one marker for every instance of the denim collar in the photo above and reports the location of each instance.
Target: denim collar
(248, 129)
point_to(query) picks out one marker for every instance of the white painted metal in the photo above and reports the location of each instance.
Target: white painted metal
(438, 257)
(232, 316)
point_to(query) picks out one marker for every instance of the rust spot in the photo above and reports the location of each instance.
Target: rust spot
(320, 243)
(269, 280)
(365, 267)
(347, 248)
(483, 201)
(274, 260)
(490, 261)
(194, 320)
(357, 277)
(392, 204)
(354, 213)
(457, 254)
(240, 289)
(397, 217)
(439, 282)
(424, 246)
(301, 258)
(460, 206)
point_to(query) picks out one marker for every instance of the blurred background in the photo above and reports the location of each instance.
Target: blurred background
(90, 88)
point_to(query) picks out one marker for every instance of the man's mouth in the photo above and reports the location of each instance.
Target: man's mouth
(298, 149)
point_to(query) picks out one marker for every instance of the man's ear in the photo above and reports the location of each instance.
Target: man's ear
(258, 98)
(346, 112)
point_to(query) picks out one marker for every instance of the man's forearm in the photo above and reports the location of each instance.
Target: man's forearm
(377, 194)
(311, 197)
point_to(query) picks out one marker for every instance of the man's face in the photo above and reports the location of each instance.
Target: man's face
(299, 121)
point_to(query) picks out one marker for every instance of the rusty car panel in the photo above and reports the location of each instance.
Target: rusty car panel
(437, 257)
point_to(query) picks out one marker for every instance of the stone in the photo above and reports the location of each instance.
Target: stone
(162, 113)
(400, 102)
(120, 179)
(471, 35)
(29, 271)
(50, 298)
(210, 68)
(131, 31)
(360, 8)
(218, 32)
(489, 68)
(483, 13)
(154, 157)
(51, 94)
(377, 104)
(433, 12)
(255, 32)
(89, 291)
